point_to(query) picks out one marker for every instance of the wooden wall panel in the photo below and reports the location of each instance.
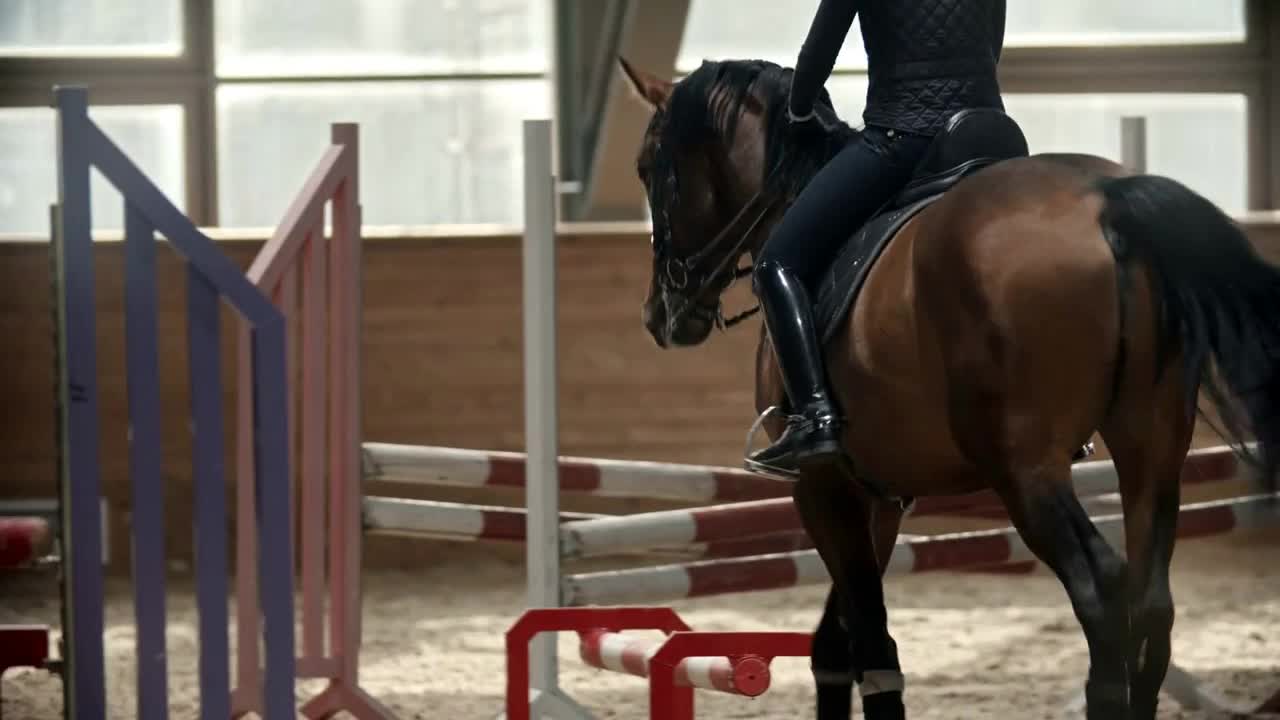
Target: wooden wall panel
(447, 324)
(26, 374)
(442, 365)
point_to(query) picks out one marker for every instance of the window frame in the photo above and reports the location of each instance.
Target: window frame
(1251, 68)
(185, 80)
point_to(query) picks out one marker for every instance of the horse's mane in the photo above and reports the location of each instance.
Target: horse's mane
(706, 105)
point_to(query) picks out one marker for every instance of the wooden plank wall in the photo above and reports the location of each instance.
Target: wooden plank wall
(442, 365)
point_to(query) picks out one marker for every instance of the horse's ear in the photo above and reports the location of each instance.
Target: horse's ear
(651, 89)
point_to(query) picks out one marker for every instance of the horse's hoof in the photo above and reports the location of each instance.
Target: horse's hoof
(1109, 701)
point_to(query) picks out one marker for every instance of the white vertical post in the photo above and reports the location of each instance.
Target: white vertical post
(1133, 143)
(542, 487)
(541, 436)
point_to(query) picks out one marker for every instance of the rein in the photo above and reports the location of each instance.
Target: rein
(679, 271)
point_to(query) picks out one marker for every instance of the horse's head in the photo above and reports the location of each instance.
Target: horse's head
(717, 170)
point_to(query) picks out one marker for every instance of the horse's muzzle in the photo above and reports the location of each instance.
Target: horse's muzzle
(654, 315)
(690, 325)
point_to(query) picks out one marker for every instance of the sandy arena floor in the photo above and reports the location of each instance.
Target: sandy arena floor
(973, 646)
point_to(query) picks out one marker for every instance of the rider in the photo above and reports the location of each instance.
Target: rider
(926, 59)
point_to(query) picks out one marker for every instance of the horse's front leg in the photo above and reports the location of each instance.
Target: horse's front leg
(854, 542)
(831, 660)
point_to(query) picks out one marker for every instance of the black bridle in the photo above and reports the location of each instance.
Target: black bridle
(679, 274)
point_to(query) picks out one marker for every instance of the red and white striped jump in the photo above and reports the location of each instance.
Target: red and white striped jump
(741, 547)
(23, 541)
(718, 531)
(684, 527)
(953, 551)
(426, 465)
(447, 520)
(628, 654)
(462, 522)
(736, 663)
(700, 484)
(679, 528)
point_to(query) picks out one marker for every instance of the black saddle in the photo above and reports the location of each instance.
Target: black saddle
(971, 140)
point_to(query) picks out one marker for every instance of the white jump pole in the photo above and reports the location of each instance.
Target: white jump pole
(542, 486)
(540, 415)
(1133, 143)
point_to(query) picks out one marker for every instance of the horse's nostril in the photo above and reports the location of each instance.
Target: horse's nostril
(654, 316)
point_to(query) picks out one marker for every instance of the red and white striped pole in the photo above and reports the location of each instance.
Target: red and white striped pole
(748, 650)
(953, 551)
(735, 521)
(450, 520)
(619, 652)
(23, 541)
(694, 484)
(736, 663)
(461, 467)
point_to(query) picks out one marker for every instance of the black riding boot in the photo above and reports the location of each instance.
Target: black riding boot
(814, 426)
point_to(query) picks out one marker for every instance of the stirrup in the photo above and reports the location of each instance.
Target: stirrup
(762, 468)
(755, 427)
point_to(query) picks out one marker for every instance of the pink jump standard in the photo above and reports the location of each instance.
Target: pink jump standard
(298, 259)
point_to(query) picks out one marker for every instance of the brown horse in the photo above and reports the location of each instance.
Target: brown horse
(1037, 301)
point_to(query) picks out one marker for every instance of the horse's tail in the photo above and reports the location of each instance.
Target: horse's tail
(1220, 302)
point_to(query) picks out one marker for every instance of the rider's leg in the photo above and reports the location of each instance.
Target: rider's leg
(841, 197)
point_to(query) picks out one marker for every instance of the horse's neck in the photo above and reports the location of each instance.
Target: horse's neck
(793, 189)
(765, 230)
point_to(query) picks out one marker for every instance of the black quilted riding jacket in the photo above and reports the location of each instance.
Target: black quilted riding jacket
(926, 58)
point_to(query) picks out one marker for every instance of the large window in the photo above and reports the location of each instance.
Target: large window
(1200, 139)
(281, 38)
(1198, 128)
(774, 31)
(438, 86)
(228, 104)
(61, 28)
(440, 151)
(150, 134)
(1134, 22)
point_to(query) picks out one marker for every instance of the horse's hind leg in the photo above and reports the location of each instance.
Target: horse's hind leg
(831, 659)
(1043, 506)
(1148, 441)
